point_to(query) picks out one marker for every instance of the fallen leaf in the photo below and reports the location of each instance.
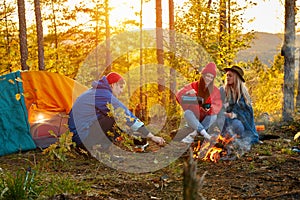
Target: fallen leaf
(11, 81)
(18, 96)
(18, 79)
(297, 136)
(152, 197)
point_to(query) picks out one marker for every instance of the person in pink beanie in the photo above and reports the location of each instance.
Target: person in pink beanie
(202, 113)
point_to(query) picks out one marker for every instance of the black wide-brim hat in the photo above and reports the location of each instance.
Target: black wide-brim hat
(237, 70)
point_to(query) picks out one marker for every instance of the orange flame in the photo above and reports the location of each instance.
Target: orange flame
(209, 152)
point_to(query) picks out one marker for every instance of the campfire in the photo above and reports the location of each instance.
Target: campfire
(212, 150)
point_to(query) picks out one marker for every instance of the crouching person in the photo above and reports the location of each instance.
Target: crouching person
(91, 121)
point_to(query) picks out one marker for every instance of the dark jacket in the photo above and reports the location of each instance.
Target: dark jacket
(92, 105)
(245, 114)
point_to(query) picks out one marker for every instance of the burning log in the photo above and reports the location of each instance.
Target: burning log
(213, 149)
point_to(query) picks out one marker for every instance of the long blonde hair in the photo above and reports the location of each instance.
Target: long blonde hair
(237, 90)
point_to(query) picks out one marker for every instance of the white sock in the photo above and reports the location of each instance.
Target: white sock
(205, 134)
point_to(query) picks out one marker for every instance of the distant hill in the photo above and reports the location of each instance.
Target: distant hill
(265, 46)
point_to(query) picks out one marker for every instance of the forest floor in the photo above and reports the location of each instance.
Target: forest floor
(267, 171)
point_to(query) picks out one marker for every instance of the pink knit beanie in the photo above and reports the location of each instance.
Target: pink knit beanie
(210, 68)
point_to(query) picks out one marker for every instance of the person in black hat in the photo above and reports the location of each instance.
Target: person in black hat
(238, 115)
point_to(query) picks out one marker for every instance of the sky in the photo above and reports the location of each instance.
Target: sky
(268, 14)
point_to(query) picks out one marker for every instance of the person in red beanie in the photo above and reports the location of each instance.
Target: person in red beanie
(92, 119)
(201, 102)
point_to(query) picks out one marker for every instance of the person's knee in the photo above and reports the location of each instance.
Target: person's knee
(238, 127)
(188, 113)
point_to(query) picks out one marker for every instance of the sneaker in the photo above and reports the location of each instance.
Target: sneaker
(260, 142)
(188, 139)
(296, 149)
(180, 134)
(141, 148)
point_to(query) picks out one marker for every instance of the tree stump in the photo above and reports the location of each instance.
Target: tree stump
(192, 183)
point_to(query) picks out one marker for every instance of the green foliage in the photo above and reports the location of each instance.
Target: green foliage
(121, 118)
(19, 186)
(201, 21)
(288, 151)
(265, 86)
(26, 185)
(64, 184)
(252, 166)
(61, 149)
(9, 39)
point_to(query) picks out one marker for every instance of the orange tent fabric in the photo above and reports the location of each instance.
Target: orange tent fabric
(49, 92)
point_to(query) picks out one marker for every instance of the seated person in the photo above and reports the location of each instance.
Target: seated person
(238, 115)
(201, 114)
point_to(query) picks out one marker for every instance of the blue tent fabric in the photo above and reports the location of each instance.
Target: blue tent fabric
(15, 133)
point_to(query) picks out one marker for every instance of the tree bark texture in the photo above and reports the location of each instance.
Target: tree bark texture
(159, 48)
(288, 51)
(173, 52)
(192, 183)
(107, 33)
(40, 35)
(23, 34)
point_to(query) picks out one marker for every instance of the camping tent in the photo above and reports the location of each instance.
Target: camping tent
(31, 104)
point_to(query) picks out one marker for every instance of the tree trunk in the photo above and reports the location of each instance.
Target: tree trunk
(229, 27)
(23, 34)
(222, 25)
(223, 18)
(192, 183)
(298, 89)
(159, 49)
(143, 98)
(7, 36)
(107, 34)
(173, 51)
(40, 36)
(206, 19)
(288, 51)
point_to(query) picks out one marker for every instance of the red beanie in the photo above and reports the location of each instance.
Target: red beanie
(113, 77)
(210, 68)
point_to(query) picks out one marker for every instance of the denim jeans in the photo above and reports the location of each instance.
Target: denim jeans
(194, 122)
(234, 125)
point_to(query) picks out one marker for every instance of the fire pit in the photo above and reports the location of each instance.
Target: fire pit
(214, 149)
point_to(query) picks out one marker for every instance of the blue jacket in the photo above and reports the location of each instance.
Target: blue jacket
(83, 113)
(244, 113)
